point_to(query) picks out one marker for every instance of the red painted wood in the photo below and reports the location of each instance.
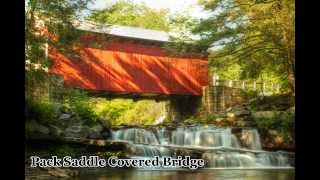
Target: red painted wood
(126, 67)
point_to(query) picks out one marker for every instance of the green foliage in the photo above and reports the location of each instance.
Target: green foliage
(44, 18)
(181, 36)
(143, 112)
(256, 35)
(79, 102)
(126, 111)
(284, 122)
(232, 71)
(132, 14)
(56, 17)
(250, 94)
(41, 110)
(112, 109)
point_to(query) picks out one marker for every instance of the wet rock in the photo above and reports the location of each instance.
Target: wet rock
(65, 116)
(244, 124)
(97, 128)
(94, 135)
(241, 113)
(104, 123)
(231, 115)
(106, 134)
(218, 120)
(62, 173)
(229, 109)
(58, 173)
(77, 131)
(55, 130)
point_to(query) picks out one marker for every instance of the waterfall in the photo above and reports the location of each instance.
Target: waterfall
(143, 150)
(236, 160)
(251, 138)
(219, 147)
(163, 136)
(135, 135)
(229, 159)
(204, 137)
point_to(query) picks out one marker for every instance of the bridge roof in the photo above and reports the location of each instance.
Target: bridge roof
(124, 31)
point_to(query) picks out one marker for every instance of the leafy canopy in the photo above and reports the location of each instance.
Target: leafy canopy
(132, 14)
(258, 35)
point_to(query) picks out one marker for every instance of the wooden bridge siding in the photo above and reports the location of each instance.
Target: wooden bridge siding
(119, 71)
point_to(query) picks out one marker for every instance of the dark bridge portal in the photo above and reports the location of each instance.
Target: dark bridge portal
(130, 67)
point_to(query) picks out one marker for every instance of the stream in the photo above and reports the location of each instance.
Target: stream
(219, 147)
(206, 174)
(228, 153)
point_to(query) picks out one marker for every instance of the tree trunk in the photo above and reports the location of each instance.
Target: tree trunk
(290, 60)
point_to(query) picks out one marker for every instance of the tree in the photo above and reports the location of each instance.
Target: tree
(132, 14)
(50, 18)
(48, 22)
(256, 34)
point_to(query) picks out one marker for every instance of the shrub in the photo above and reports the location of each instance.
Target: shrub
(283, 122)
(126, 111)
(41, 110)
(79, 102)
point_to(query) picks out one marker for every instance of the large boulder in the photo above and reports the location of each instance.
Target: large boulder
(97, 128)
(77, 131)
(106, 134)
(55, 130)
(94, 135)
(95, 132)
(65, 116)
(238, 111)
(104, 123)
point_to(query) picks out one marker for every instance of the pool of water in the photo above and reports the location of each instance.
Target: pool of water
(207, 174)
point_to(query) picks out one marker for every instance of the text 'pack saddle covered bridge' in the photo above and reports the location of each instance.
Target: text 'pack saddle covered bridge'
(121, 59)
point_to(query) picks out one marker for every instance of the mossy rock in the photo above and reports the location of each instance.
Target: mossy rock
(33, 126)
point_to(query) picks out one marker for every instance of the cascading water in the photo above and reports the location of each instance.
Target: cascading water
(204, 137)
(219, 147)
(135, 135)
(251, 138)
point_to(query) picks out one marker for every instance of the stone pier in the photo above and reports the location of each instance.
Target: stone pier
(219, 98)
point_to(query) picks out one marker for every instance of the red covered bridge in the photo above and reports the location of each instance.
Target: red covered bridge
(129, 60)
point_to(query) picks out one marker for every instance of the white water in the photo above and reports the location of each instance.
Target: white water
(204, 137)
(219, 146)
(251, 138)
